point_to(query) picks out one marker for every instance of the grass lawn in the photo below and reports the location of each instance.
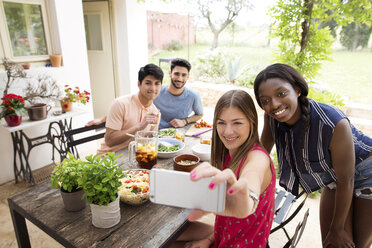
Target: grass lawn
(349, 74)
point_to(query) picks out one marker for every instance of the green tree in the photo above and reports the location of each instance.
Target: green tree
(304, 40)
(353, 36)
(217, 21)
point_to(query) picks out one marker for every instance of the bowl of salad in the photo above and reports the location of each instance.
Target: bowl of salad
(134, 189)
(168, 148)
(167, 133)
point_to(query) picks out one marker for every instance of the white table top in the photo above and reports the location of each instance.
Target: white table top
(26, 123)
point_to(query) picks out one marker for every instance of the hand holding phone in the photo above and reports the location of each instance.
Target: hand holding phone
(175, 188)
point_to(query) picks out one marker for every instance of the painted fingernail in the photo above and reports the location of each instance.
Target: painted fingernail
(231, 191)
(193, 174)
(211, 185)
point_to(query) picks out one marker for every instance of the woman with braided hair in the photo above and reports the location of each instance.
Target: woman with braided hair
(318, 148)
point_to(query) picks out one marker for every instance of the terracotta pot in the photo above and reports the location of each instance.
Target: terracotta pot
(73, 201)
(38, 111)
(13, 120)
(55, 60)
(66, 106)
(26, 65)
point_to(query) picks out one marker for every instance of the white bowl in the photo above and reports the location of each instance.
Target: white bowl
(129, 197)
(169, 141)
(203, 151)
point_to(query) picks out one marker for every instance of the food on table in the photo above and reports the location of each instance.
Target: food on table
(146, 155)
(205, 141)
(168, 147)
(169, 132)
(186, 162)
(135, 187)
(202, 124)
(180, 137)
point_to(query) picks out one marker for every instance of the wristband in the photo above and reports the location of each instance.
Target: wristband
(187, 123)
(255, 199)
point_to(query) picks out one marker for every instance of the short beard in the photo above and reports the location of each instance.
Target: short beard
(177, 87)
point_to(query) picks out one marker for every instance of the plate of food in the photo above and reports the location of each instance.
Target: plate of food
(168, 148)
(167, 133)
(134, 189)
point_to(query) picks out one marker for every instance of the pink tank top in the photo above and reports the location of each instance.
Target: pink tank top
(254, 230)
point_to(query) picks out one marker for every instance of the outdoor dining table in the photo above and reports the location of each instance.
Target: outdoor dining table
(147, 225)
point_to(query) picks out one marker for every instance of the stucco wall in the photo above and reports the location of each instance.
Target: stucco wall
(68, 34)
(129, 25)
(67, 27)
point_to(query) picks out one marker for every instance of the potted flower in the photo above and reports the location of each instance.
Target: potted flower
(73, 95)
(100, 181)
(12, 108)
(65, 177)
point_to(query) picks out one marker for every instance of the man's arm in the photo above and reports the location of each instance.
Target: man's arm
(183, 122)
(96, 122)
(115, 137)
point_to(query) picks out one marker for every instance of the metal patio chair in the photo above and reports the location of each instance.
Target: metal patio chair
(283, 215)
(72, 142)
(292, 243)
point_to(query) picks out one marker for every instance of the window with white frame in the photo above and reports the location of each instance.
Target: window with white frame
(24, 30)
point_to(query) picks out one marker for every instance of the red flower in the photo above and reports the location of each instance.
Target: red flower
(75, 95)
(65, 106)
(12, 105)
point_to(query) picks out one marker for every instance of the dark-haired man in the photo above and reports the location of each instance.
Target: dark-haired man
(175, 101)
(132, 113)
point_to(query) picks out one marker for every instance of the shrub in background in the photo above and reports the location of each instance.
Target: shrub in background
(174, 45)
(211, 66)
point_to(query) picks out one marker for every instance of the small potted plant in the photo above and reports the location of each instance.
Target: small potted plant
(12, 108)
(73, 95)
(65, 177)
(100, 181)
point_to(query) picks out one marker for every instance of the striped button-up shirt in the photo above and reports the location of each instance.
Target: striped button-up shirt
(314, 170)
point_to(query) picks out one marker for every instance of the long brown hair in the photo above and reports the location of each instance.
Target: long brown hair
(243, 101)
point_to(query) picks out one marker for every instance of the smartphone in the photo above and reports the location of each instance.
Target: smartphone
(175, 188)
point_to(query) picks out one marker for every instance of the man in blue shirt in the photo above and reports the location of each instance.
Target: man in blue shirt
(175, 101)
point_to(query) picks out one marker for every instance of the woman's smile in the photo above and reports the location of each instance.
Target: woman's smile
(233, 128)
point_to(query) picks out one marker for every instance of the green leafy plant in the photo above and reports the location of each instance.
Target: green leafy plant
(174, 45)
(233, 68)
(304, 41)
(75, 95)
(66, 174)
(100, 179)
(326, 97)
(12, 105)
(211, 65)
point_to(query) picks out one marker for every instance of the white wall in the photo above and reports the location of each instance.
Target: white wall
(69, 40)
(68, 35)
(130, 28)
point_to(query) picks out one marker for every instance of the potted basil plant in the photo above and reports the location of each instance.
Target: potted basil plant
(65, 177)
(100, 181)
